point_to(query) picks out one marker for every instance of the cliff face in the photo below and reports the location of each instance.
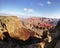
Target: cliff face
(30, 33)
(12, 30)
(13, 26)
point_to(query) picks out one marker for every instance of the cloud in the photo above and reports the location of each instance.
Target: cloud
(49, 2)
(56, 15)
(25, 9)
(28, 9)
(9, 13)
(40, 4)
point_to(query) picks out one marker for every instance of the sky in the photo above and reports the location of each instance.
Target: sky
(31, 8)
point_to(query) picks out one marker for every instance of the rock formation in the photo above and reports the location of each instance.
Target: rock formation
(13, 26)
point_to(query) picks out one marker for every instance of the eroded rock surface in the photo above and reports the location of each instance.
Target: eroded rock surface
(15, 32)
(13, 26)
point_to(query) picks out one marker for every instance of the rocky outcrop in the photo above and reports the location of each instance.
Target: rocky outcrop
(13, 26)
(14, 31)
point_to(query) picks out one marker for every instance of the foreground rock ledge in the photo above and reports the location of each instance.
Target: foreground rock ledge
(13, 26)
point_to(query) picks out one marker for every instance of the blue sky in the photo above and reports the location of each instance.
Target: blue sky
(27, 8)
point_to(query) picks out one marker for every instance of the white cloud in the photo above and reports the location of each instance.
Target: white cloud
(40, 4)
(28, 9)
(49, 2)
(9, 13)
(56, 15)
(25, 9)
(19, 14)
